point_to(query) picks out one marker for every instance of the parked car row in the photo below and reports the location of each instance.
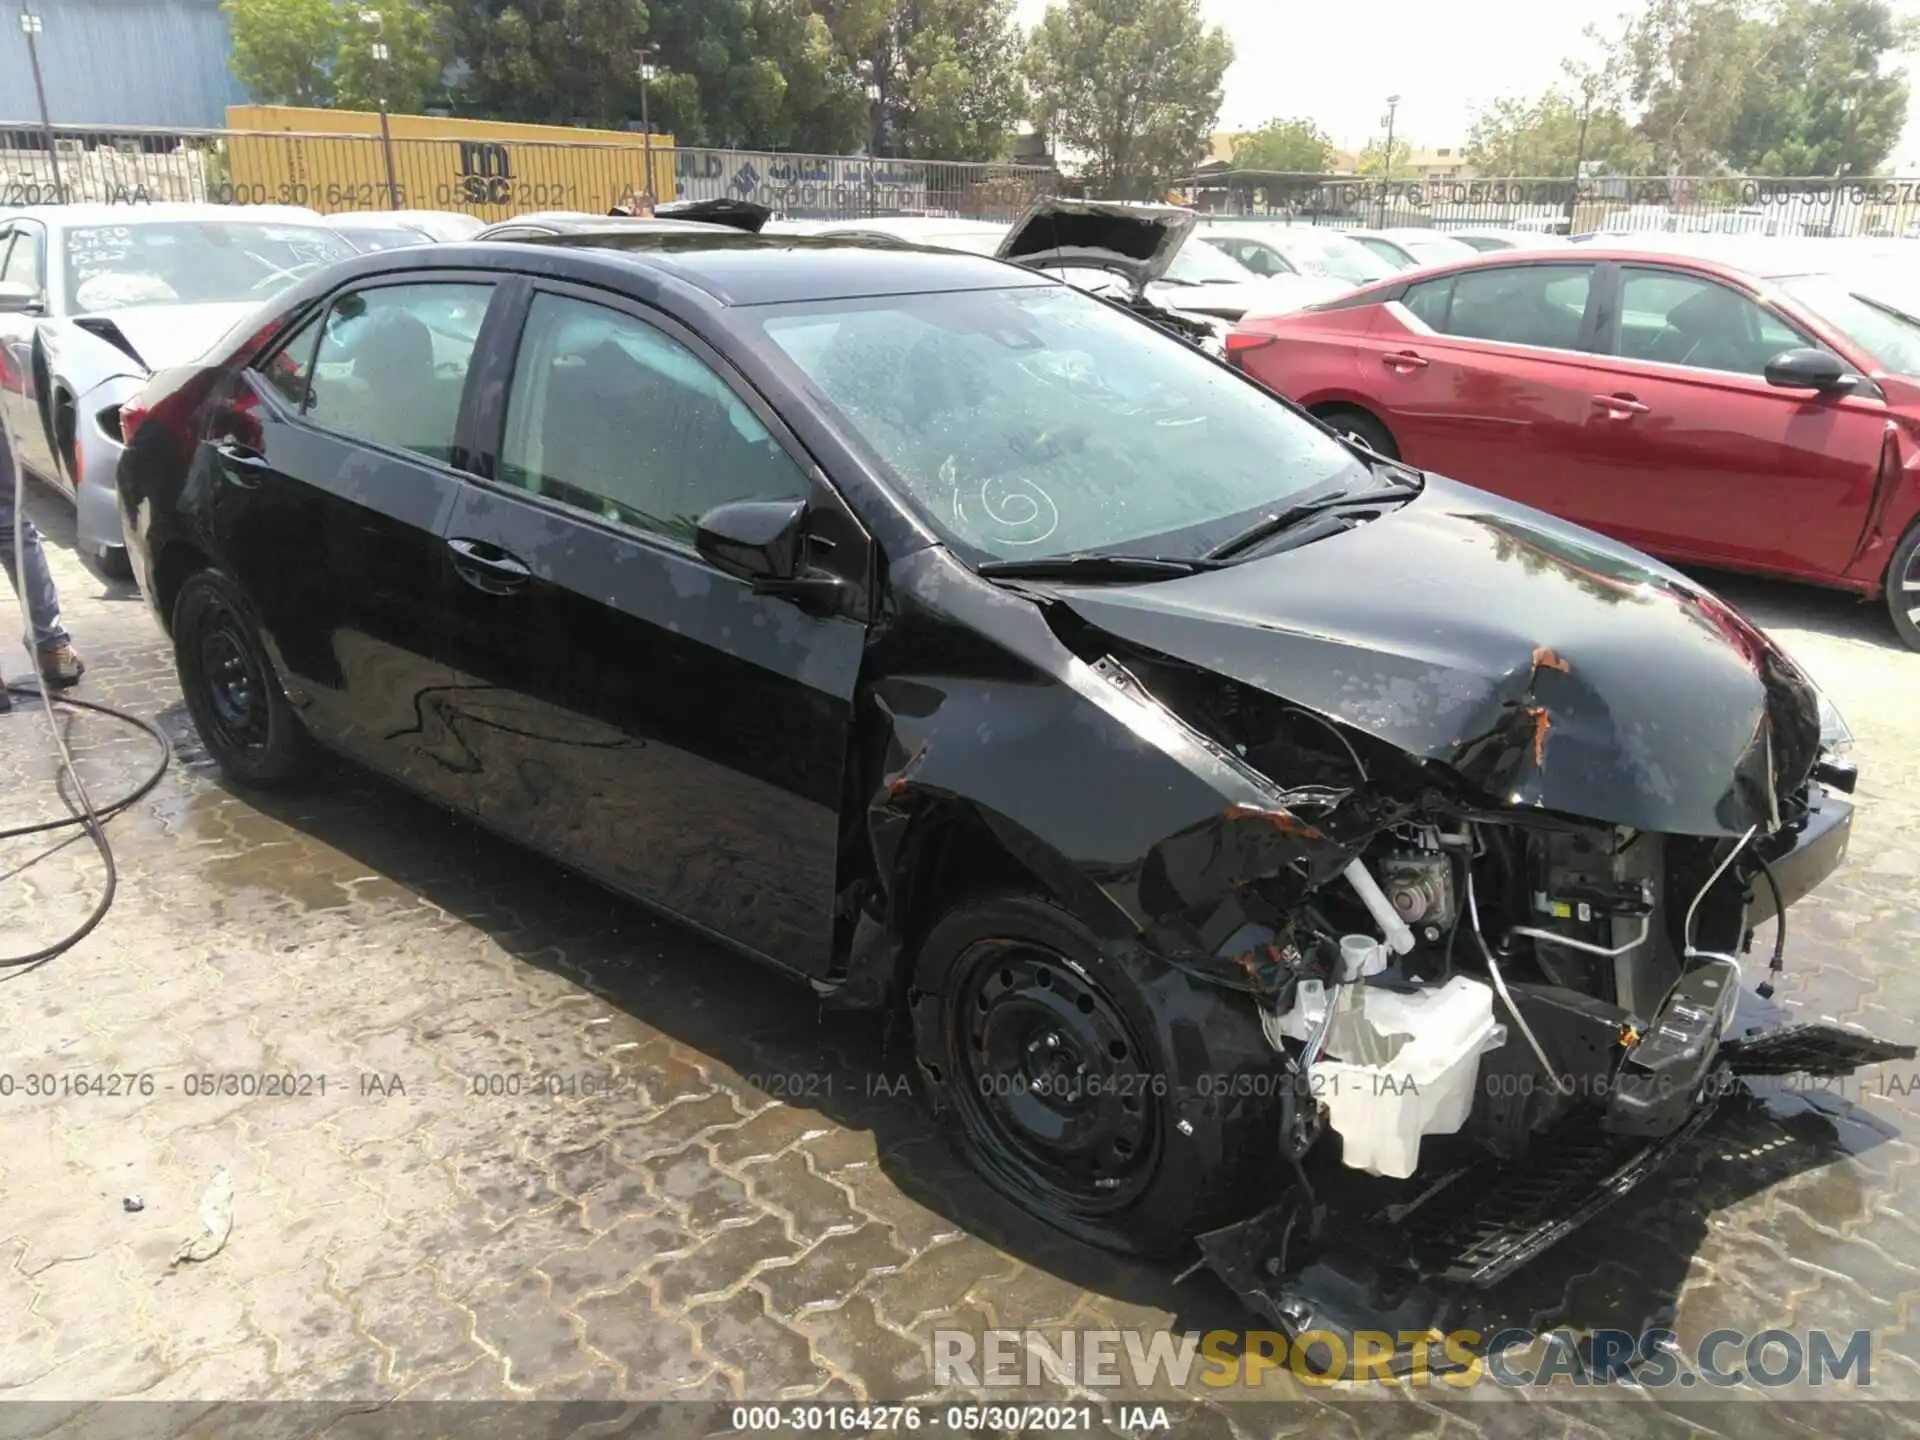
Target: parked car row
(1185, 777)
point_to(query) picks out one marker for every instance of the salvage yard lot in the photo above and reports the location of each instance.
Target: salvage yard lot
(492, 1133)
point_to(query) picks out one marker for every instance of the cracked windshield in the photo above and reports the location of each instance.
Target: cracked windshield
(114, 267)
(1038, 422)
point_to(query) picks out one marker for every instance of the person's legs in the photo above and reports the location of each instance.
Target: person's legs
(52, 645)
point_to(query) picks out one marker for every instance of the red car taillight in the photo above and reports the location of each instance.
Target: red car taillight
(1241, 342)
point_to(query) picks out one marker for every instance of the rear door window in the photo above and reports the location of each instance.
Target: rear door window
(1539, 305)
(392, 364)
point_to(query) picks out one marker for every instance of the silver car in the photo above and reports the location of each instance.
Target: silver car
(95, 298)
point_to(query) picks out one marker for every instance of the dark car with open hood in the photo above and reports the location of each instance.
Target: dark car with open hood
(1247, 831)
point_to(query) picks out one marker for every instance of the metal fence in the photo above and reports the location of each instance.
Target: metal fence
(490, 179)
(1734, 205)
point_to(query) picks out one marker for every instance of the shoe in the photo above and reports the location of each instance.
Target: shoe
(60, 667)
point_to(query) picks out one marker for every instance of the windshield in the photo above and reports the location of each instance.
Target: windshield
(191, 262)
(1878, 309)
(1195, 264)
(1035, 422)
(1326, 252)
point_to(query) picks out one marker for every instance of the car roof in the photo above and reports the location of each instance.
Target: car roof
(87, 213)
(573, 221)
(738, 269)
(908, 226)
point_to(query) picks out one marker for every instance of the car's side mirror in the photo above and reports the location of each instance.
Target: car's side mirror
(765, 542)
(1810, 369)
(19, 299)
(754, 539)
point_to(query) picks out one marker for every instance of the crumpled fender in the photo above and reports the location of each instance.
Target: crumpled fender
(1126, 813)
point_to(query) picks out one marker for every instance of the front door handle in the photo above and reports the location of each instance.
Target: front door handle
(1621, 407)
(488, 567)
(241, 464)
(1404, 360)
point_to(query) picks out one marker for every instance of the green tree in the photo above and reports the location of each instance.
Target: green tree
(1552, 133)
(1823, 104)
(1135, 84)
(1773, 86)
(1373, 159)
(1293, 146)
(284, 50)
(753, 74)
(948, 73)
(417, 37)
(551, 62)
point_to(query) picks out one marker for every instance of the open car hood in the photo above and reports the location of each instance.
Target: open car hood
(736, 214)
(158, 336)
(1544, 665)
(1135, 241)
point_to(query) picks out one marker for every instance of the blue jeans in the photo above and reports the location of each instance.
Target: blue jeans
(43, 601)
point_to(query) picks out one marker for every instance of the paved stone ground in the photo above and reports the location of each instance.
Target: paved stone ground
(754, 1211)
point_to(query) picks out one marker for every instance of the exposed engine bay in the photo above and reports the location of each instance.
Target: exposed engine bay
(1518, 1004)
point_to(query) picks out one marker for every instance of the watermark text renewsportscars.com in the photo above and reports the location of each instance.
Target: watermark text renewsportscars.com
(1654, 1359)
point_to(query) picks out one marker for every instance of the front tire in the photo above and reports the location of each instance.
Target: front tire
(1111, 1097)
(1366, 428)
(1903, 587)
(230, 686)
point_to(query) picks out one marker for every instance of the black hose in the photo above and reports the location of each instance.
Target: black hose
(1779, 961)
(89, 818)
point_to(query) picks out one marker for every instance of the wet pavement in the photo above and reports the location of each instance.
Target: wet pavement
(492, 1134)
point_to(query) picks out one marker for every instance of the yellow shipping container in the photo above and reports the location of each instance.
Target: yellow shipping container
(333, 160)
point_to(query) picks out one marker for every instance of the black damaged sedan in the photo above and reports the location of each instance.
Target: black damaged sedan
(1236, 819)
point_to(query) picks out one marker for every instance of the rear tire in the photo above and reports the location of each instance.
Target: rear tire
(1113, 1098)
(1366, 428)
(230, 686)
(1903, 587)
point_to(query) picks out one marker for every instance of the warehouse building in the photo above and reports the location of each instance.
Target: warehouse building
(121, 63)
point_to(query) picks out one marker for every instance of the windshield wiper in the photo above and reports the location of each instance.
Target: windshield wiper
(1885, 308)
(1281, 521)
(1094, 566)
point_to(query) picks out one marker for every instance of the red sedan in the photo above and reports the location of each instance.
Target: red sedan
(1762, 416)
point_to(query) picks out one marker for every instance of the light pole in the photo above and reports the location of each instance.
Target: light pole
(30, 27)
(1848, 104)
(647, 73)
(1579, 151)
(379, 52)
(1386, 161)
(873, 140)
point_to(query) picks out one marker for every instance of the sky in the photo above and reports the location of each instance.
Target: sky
(1338, 62)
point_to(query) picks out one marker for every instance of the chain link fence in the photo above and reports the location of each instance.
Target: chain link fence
(1886, 207)
(493, 180)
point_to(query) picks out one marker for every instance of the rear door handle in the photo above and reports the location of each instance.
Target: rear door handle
(240, 463)
(488, 567)
(1404, 360)
(1621, 407)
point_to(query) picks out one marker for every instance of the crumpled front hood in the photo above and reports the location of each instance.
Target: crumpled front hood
(1278, 295)
(1549, 667)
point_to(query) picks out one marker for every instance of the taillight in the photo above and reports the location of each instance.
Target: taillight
(1240, 342)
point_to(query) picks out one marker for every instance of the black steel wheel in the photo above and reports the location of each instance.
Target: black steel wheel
(230, 686)
(1051, 1064)
(1050, 1078)
(1903, 587)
